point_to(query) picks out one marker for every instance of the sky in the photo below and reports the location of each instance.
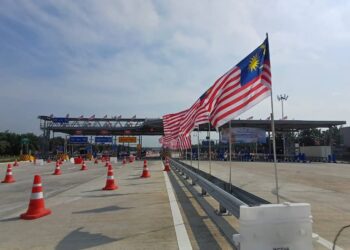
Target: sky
(149, 58)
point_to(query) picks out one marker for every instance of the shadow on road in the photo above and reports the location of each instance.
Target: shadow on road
(78, 239)
(102, 210)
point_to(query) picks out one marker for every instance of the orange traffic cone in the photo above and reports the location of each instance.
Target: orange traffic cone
(36, 208)
(166, 167)
(110, 184)
(144, 163)
(8, 178)
(16, 163)
(57, 169)
(83, 166)
(145, 172)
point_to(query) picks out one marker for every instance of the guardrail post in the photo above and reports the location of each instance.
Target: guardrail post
(193, 182)
(222, 210)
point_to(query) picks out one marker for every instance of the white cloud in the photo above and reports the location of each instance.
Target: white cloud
(154, 57)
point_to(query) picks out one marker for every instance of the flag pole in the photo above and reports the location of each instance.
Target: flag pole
(274, 143)
(230, 148)
(198, 148)
(209, 153)
(191, 149)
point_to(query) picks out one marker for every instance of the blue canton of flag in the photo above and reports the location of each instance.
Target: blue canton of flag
(252, 66)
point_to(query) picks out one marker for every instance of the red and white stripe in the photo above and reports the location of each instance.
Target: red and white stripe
(233, 99)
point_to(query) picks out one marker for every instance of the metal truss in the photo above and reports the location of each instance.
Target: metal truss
(97, 126)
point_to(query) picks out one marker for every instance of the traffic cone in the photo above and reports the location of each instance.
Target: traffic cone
(110, 184)
(16, 163)
(107, 164)
(145, 172)
(57, 169)
(166, 167)
(8, 178)
(83, 167)
(96, 161)
(144, 163)
(124, 161)
(36, 208)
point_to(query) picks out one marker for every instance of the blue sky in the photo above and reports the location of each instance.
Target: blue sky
(154, 57)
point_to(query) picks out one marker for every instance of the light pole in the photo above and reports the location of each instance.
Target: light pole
(283, 98)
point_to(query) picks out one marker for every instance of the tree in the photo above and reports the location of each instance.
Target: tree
(310, 137)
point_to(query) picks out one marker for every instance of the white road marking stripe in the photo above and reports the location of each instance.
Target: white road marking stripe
(183, 240)
(325, 243)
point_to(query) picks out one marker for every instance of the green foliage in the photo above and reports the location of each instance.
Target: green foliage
(10, 143)
(313, 137)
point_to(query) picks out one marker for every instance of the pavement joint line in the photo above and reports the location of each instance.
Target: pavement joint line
(183, 240)
(325, 243)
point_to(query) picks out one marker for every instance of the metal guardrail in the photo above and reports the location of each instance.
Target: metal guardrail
(226, 200)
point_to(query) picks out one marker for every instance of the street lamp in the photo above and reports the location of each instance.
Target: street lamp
(283, 98)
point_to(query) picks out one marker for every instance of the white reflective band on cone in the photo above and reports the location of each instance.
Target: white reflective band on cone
(37, 185)
(37, 196)
(9, 173)
(110, 177)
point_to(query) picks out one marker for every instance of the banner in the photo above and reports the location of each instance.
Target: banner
(127, 139)
(243, 135)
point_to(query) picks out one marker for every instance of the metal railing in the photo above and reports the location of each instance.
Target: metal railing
(225, 199)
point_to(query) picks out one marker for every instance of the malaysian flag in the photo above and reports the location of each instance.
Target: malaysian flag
(171, 124)
(242, 87)
(185, 142)
(196, 115)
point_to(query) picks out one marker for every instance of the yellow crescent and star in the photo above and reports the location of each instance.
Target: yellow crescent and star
(254, 61)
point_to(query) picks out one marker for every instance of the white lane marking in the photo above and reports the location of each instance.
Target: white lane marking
(324, 242)
(183, 240)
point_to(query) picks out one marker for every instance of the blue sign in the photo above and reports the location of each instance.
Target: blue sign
(78, 139)
(206, 143)
(59, 148)
(103, 139)
(60, 120)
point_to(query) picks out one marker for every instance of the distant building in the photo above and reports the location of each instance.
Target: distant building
(345, 135)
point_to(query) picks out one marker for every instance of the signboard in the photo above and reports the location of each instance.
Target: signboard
(206, 143)
(78, 139)
(103, 139)
(243, 135)
(24, 141)
(60, 120)
(127, 139)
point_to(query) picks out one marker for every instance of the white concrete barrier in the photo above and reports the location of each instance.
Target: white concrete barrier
(275, 227)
